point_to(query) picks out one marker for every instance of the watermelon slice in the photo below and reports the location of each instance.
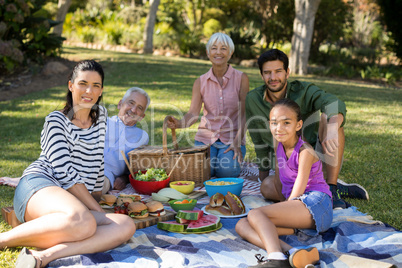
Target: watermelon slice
(178, 220)
(172, 226)
(206, 223)
(190, 214)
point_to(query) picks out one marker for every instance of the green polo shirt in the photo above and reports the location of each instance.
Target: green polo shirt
(311, 99)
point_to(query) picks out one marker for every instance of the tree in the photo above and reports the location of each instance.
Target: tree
(303, 28)
(392, 14)
(150, 25)
(63, 6)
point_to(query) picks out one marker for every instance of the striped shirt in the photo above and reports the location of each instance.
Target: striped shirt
(71, 155)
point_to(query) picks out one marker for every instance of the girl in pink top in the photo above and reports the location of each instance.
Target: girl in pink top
(308, 204)
(222, 91)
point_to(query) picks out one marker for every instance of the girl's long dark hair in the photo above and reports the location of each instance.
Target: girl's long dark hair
(291, 105)
(85, 65)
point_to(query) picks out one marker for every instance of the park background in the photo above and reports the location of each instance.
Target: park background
(354, 53)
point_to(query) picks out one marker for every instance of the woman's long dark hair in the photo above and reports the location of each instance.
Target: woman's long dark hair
(85, 65)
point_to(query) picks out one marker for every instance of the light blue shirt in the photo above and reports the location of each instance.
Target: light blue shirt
(120, 137)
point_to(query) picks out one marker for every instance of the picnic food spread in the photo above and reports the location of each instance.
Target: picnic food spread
(229, 204)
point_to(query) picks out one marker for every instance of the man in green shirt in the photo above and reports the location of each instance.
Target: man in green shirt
(323, 131)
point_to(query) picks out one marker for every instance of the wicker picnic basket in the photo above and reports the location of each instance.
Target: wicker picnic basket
(194, 164)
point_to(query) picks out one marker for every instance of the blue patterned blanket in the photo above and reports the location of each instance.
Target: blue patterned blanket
(353, 240)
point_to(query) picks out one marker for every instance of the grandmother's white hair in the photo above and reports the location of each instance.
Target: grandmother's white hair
(221, 38)
(139, 90)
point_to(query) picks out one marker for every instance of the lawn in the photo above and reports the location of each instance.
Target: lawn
(373, 128)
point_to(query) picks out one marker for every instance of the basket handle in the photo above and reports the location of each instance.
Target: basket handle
(164, 137)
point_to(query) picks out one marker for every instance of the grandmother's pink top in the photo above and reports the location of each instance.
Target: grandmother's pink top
(220, 118)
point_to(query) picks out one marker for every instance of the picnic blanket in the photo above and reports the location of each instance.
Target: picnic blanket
(354, 240)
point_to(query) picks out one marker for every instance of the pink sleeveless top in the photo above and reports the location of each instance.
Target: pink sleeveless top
(288, 169)
(220, 118)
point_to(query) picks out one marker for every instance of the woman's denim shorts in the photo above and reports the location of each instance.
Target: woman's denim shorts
(320, 206)
(26, 188)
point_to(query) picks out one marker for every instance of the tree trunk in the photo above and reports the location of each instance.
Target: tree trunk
(303, 29)
(63, 6)
(149, 26)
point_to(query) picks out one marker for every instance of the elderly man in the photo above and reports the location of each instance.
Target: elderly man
(122, 134)
(324, 131)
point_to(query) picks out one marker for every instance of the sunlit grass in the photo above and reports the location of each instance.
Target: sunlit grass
(373, 127)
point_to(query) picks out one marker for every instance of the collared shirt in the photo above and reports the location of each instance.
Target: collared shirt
(221, 119)
(311, 100)
(120, 137)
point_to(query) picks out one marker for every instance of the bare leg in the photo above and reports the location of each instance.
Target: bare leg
(112, 231)
(263, 225)
(52, 216)
(271, 188)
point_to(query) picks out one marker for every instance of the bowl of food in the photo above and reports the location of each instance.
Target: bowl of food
(183, 204)
(223, 186)
(184, 187)
(149, 181)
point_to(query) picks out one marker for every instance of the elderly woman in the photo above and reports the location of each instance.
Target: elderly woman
(56, 197)
(223, 91)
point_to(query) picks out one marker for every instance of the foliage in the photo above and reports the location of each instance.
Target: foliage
(25, 33)
(391, 14)
(329, 24)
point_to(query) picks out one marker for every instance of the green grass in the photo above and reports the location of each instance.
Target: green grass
(373, 129)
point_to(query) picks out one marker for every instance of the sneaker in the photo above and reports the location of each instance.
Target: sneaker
(270, 263)
(304, 257)
(337, 201)
(352, 190)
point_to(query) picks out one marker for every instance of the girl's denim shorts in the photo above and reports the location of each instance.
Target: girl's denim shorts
(26, 188)
(320, 206)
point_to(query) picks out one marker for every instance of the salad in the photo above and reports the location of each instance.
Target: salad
(152, 174)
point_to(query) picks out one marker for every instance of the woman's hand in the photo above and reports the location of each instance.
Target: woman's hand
(172, 122)
(82, 194)
(236, 150)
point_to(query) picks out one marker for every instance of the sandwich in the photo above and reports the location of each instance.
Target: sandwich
(155, 208)
(107, 199)
(126, 198)
(137, 210)
(220, 211)
(235, 204)
(216, 200)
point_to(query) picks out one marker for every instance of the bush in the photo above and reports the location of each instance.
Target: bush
(211, 26)
(25, 34)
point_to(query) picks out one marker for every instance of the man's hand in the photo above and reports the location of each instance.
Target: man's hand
(120, 182)
(330, 143)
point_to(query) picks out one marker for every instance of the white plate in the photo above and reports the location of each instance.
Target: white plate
(231, 216)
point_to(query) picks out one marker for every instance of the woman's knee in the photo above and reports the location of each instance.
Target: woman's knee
(81, 224)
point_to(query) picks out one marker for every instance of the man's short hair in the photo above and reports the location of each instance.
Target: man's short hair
(221, 38)
(271, 55)
(139, 90)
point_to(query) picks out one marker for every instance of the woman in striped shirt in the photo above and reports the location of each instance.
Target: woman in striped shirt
(56, 197)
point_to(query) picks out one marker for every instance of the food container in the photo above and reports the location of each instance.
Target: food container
(235, 188)
(148, 187)
(184, 187)
(187, 206)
